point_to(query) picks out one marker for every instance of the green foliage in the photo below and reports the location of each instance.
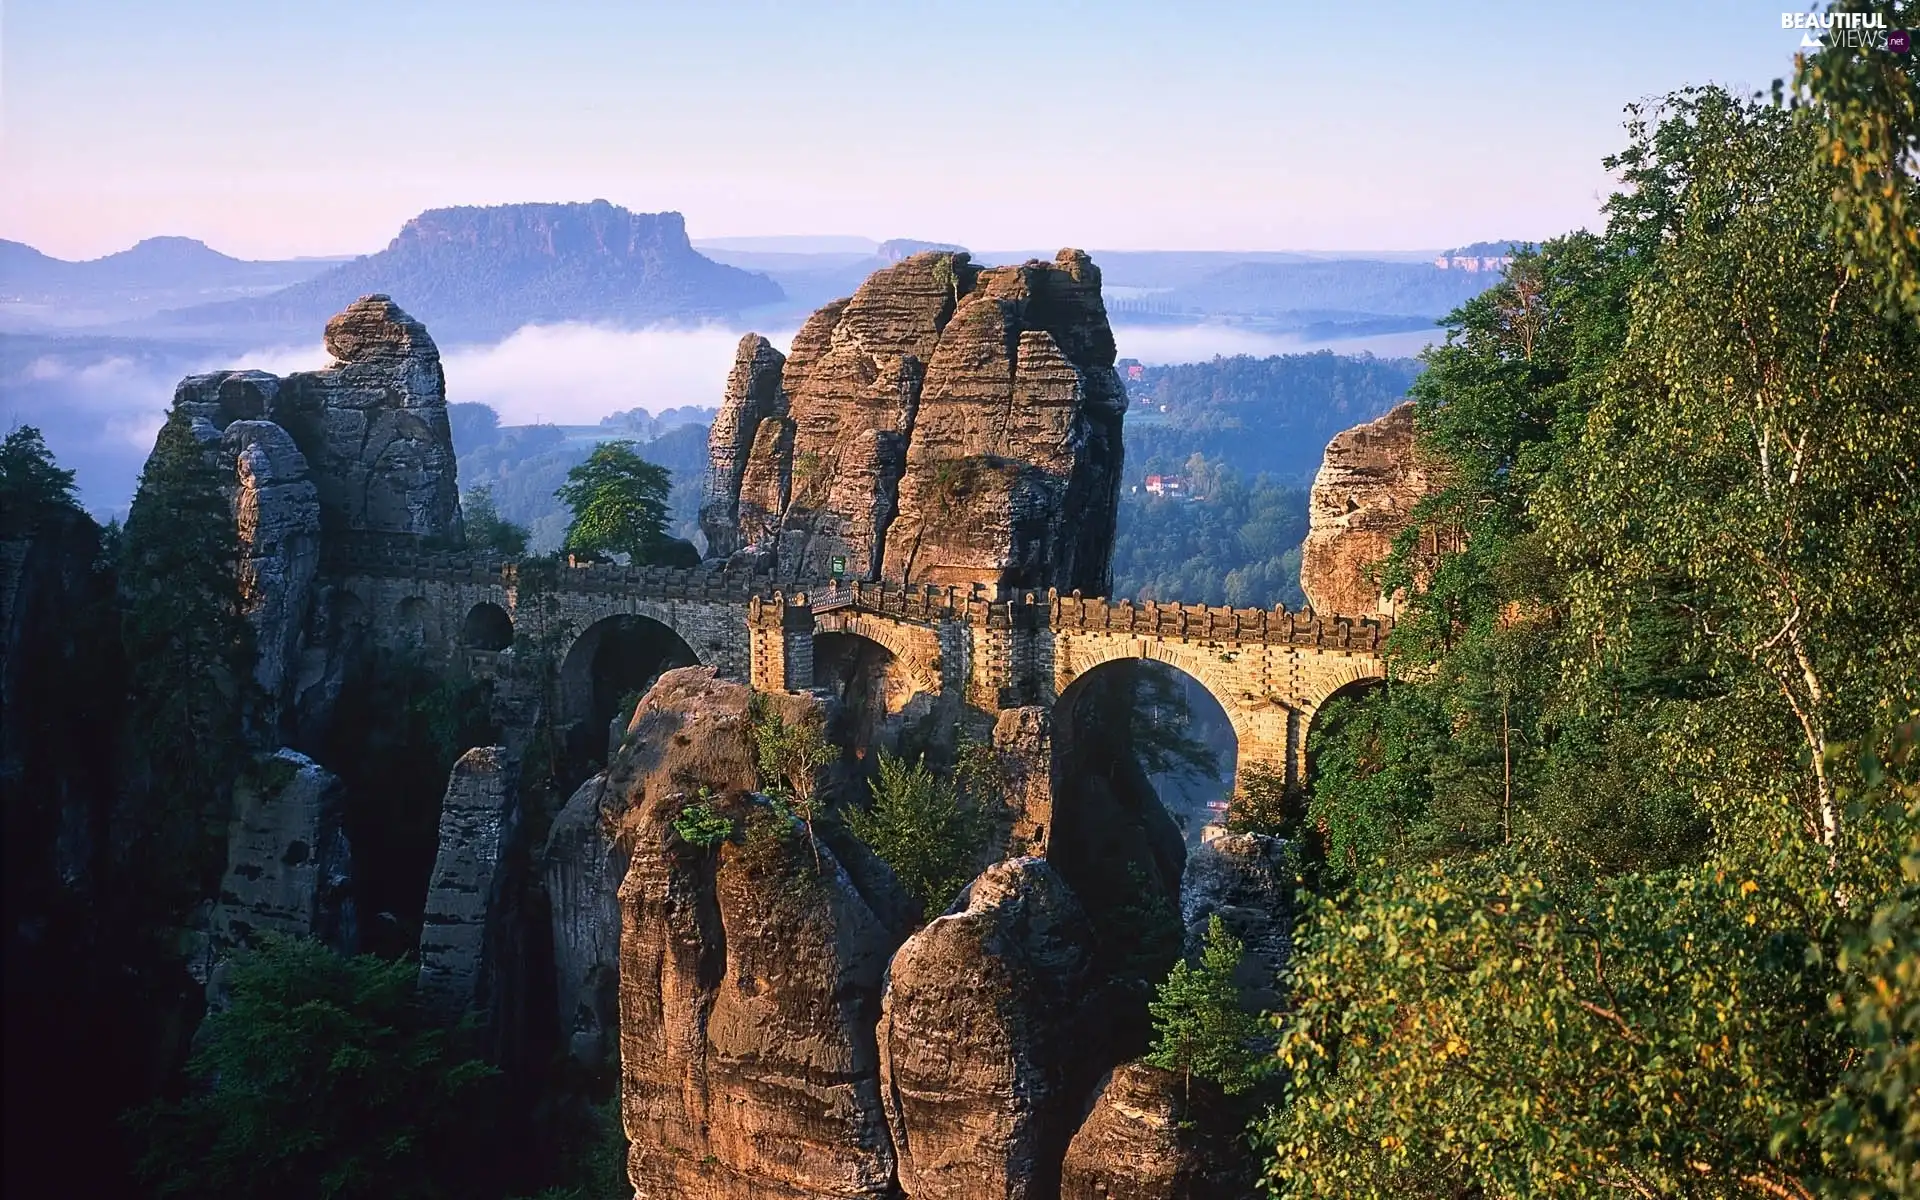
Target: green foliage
(1143, 926)
(790, 758)
(1240, 545)
(1470, 1030)
(1869, 1127)
(1867, 124)
(619, 504)
(189, 656)
(1261, 803)
(1616, 924)
(487, 530)
(698, 825)
(323, 1078)
(28, 477)
(523, 464)
(1199, 1027)
(919, 826)
(1270, 416)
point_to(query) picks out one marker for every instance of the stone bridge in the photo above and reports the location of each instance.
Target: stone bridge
(1270, 670)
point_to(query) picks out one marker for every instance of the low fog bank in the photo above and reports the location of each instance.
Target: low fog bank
(99, 400)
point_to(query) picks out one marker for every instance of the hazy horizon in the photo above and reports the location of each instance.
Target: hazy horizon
(994, 125)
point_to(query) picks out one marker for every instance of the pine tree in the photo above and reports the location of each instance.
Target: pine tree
(1198, 1024)
(28, 477)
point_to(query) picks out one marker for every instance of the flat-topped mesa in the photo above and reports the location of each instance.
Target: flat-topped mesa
(372, 426)
(947, 424)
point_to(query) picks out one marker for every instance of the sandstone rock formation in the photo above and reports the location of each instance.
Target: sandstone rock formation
(1153, 1136)
(1245, 879)
(289, 868)
(356, 454)
(582, 866)
(749, 975)
(984, 1040)
(1363, 497)
(948, 423)
(1024, 739)
(372, 426)
(276, 510)
(478, 820)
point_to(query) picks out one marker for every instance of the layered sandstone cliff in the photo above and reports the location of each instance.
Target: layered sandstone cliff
(1363, 498)
(749, 975)
(948, 423)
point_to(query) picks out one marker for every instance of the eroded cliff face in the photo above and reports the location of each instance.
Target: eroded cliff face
(985, 1042)
(372, 427)
(749, 975)
(357, 452)
(948, 423)
(1363, 497)
(1153, 1135)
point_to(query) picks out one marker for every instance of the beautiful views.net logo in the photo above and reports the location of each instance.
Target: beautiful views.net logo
(1858, 31)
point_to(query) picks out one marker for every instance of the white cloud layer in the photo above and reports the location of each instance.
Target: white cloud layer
(574, 374)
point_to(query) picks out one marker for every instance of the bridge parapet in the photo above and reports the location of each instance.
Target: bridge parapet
(1219, 623)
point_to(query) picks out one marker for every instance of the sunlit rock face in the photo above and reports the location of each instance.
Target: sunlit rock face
(948, 423)
(1363, 497)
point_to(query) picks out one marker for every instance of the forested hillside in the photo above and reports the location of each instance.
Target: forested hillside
(1619, 875)
(1272, 415)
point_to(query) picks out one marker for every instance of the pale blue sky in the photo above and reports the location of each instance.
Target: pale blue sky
(271, 129)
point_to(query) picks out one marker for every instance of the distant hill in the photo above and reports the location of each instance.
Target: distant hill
(480, 273)
(157, 273)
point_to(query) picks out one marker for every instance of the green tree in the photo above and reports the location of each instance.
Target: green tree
(28, 477)
(619, 503)
(920, 827)
(790, 757)
(1867, 111)
(487, 530)
(1199, 1026)
(323, 1078)
(189, 657)
(1681, 456)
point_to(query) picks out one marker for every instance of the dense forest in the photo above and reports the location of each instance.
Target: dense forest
(1618, 876)
(1269, 415)
(1233, 541)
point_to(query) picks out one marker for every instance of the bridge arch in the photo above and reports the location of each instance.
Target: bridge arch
(486, 627)
(610, 661)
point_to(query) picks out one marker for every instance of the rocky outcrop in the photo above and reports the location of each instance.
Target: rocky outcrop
(753, 395)
(948, 423)
(372, 426)
(276, 510)
(749, 975)
(985, 1039)
(357, 455)
(1023, 739)
(1363, 497)
(478, 821)
(1246, 880)
(582, 866)
(289, 868)
(1152, 1135)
